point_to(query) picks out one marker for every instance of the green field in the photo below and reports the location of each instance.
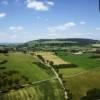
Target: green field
(25, 64)
(50, 90)
(80, 84)
(83, 60)
(86, 76)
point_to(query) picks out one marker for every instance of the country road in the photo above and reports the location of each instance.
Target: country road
(57, 76)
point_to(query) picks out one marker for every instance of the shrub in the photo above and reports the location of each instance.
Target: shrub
(65, 66)
(93, 94)
(41, 58)
(3, 62)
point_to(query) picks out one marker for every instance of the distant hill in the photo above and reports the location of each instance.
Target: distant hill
(51, 44)
(75, 40)
(57, 43)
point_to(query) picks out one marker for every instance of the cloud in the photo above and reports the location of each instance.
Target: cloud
(97, 28)
(15, 28)
(2, 15)
(16, 38)
(50, 3)
(39, 5)
(82, 22)
(62, 27)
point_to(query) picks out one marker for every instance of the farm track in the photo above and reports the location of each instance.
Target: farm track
(29, 94)
(57, 76)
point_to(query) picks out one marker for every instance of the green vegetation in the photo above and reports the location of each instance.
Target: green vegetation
(93, 94)
(50, 90)
(82, 78)
(22, 75)
(80, 84)
(56, 44)
(24, 63)
(82, 61)
(11, 80)
(31, 79)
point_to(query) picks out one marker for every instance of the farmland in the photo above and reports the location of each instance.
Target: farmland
(80, 84)
(30, 74)
(80, 79)
(38, 89)
(86, 76)
(41, 91)
(50, 56)
(24, 64)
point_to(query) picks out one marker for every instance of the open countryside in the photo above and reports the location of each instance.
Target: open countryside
(49, 49)
(47, 75)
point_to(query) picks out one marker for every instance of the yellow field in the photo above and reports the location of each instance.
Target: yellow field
(50, 56)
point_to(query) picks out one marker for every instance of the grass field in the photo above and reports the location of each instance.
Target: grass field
(83, 61)
(45, 91)
(86, 76)
(50, 56)
(80, 84)
(24, 63)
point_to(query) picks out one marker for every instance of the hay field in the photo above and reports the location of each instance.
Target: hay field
(50, 56)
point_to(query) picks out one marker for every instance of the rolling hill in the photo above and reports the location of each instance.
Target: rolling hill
(55, 44)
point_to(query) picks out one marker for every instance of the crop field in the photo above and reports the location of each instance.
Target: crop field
(83, 60)
(25, 65)
(50, 56)
(39, 89)
(80, 84)
(82, 78)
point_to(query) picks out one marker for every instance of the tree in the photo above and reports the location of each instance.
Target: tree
(41, 58)
(51, 63)
(93, 94)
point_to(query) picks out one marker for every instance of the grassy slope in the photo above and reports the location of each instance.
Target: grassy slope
(83, 82)
(44, 91)
(50, 56)
(83, 61)
(23, 63)
(80, 84)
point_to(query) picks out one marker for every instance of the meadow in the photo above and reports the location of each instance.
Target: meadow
(38, 88)
(83, 78)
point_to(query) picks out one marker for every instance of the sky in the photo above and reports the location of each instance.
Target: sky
(25, 20)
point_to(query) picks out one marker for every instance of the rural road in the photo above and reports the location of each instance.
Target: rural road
(57, 76)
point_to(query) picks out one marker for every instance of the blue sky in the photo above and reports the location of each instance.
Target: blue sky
(25, 20)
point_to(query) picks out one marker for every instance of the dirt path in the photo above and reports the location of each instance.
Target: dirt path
(57, 76)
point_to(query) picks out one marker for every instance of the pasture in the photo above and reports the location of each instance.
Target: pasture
(25, 65)
(49, 90)
(86, 76)
(83, 60)
(80, 84)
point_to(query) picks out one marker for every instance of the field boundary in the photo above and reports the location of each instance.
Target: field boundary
(77, 74)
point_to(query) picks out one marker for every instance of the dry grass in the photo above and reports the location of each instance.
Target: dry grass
(50, 56)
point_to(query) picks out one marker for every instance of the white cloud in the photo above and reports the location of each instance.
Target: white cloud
(82, 22)
(62, 27)
(16, 38)
(39, 5)
(50, 3)
(2, 15)
(97, 28)
(15, 28)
